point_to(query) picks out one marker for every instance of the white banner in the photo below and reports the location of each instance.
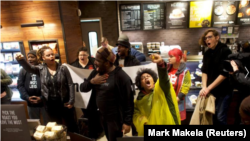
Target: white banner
(78, 75)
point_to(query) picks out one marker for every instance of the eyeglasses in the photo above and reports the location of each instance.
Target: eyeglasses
(208, 37)
(144, 77)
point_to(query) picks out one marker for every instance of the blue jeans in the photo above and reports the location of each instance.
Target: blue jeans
(34, 113)
(221, 108)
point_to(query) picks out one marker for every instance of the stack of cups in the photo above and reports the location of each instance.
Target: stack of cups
(149, 46)
(153, 45)
(157, 46)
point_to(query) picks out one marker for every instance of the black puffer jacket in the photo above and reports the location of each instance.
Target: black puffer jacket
(64, 81)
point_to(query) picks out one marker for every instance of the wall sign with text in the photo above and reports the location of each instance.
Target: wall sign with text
(14, 124)
(130, 17)
(244, 13)
(177, 14)
(153, 16)
(224, 13)
(200, 14)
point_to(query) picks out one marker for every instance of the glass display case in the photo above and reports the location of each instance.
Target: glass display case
(194, 64)
(9, 64)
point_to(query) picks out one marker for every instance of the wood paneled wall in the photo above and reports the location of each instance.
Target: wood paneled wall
(14, 13)
(72, 28)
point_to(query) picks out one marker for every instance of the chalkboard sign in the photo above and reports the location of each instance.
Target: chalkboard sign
(224, 13)
(14, 123)
(177, 14)
(153, 16)
(130, 17)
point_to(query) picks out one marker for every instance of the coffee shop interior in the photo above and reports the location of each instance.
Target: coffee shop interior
(152, 27)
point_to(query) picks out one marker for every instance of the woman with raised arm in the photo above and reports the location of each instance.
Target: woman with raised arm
(156, 103)
(57, 88)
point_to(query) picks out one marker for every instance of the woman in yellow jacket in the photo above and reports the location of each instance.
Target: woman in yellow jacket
(156, 103)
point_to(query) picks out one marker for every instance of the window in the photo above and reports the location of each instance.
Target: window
(93, 42)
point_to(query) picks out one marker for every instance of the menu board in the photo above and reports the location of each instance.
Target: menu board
(177, 14)
(130, 17)
(224, 13)
(244, 13)
(154, 16)
(200, 14)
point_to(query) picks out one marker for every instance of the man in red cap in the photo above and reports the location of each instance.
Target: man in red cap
(112, 94)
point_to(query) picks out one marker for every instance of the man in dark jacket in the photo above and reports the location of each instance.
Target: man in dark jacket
(133, 52)
(112, 94)
(241, 78)
(29, 86)
(123, 57)
(214, 79)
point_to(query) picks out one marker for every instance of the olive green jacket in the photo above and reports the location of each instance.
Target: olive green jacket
(5, 81)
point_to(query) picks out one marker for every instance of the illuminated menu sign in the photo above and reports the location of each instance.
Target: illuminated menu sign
(130, 17)
(200, 14)
(224, 13)
(244, 13)
(177, 14)
(154, 16)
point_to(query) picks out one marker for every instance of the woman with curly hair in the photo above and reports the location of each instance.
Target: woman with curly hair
(156, 103)
(57, 87)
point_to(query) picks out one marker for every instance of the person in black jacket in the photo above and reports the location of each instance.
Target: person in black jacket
(84, 61)
(123, 56)
(214, 79)
(112, 94)
(57, 87)
(241, 78)
(29, 86)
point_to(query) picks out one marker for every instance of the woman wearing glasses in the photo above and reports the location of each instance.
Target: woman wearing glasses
(214, 79)
(84, 61)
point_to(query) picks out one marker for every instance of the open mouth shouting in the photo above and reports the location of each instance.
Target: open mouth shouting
(32, 62)
(148, 83)
(208, 44)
